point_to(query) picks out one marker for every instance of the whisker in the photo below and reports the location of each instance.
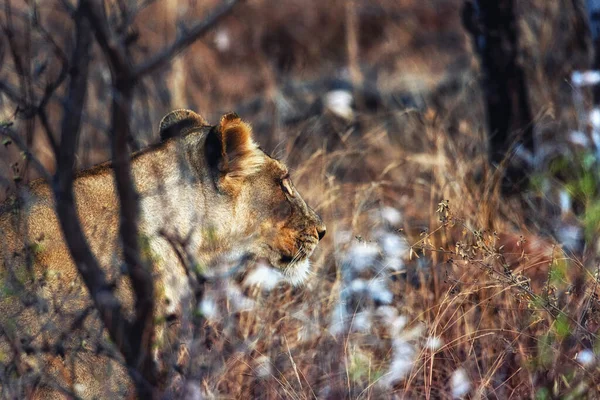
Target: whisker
(296, 257)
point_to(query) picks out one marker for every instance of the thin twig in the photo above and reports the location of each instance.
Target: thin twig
(9, 133)
(101, 292)
(142, 368)
(183, 42)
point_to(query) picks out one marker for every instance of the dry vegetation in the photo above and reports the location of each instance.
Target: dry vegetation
(429, 283)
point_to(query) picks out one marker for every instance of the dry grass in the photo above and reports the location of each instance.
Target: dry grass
(428, 284)
(477, 292)
(471, 292)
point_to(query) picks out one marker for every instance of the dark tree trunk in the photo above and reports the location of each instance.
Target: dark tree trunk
(494, 29)
(593, 8)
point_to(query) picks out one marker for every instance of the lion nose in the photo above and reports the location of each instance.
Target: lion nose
(321, 230)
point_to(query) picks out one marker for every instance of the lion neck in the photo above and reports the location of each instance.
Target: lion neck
(182, 199)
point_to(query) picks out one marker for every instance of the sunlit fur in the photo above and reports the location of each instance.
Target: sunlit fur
(210, 187)
(241, 155)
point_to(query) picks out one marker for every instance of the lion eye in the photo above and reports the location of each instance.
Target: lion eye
(286, 184)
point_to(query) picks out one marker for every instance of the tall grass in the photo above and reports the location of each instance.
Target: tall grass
(429, 284)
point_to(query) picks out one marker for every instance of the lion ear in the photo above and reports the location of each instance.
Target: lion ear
(232, 149)
(179, 122)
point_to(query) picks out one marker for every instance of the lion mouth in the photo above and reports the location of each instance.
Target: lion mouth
(305, 250)
(295, 264)
(286, 259)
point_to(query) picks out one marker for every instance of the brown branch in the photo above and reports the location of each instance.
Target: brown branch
(51, 87)
(183, 42)
(141, 365)
(15, 348)
(30, 109)
(9, 133)
(136, 347)
(12, 94)
(2, 53)
(9, 33)
(133, 13)
(22, 69)
(94, 278)
(22, 62)
(109, 43)
(48, 129)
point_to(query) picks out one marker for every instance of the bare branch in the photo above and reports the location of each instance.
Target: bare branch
(12, 94)
(64, 64)
(94, 278)
(140, 337)
(15, 348)
(9, 133)
(31, 109)
(133, 12)
(48, 130)
(51, 88)
(183, 42)
(132, 338)
(9, 33)
(114, 52)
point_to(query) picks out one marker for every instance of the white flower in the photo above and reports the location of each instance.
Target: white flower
(391, 216)
(361, 322)
(393, 245)
(339, 102)
(237, 298)
(460, 383)
(379, 292)
(595, 118)
(209, 309)
(402, 362)
(565, 201)
(338, 319)
(387, 314)
(434, 343)
(586, 357)
(398, 325)
(579, 138)
(394, 264)
(570, 235)
(585, 78)
(264, 276)
(596, 139)
(358, 285)
(263, 367)
(362, 256)
(222, 40)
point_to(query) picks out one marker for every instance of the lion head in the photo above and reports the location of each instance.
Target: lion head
(252, 191)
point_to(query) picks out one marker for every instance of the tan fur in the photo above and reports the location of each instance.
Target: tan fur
(209, 184)
(241, 155)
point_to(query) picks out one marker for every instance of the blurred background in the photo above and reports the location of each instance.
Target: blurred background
(274, 64)
(434, 280)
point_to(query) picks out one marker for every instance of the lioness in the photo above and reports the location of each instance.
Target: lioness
(211, 185)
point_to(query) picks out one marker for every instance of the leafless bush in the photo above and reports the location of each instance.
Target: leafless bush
(133, 336)
(429, 282)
